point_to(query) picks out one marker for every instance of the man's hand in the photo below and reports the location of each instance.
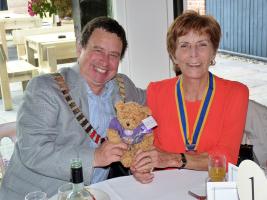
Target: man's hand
(146, 161)
(108, 153)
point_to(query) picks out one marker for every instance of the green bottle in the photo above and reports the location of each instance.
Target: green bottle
(78, 190)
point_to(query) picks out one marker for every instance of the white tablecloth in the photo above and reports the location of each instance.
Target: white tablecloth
(167, 185)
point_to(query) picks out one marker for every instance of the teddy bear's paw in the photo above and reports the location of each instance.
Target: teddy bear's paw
(113, 136)
(126, 161)
(149, 138)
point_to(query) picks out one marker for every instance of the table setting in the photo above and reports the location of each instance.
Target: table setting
(240, 183)
(168, 185)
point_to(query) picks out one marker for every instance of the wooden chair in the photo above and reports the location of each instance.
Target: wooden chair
(3, 37)
(13, 71)
(255, 130)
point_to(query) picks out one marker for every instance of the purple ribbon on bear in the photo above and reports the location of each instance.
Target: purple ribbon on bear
(129, 136)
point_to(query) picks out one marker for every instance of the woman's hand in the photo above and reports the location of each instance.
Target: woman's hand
(155, 158)
(108, 152)
(146, 161)
(142, 176)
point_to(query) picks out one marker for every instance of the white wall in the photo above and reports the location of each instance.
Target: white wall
(146, 23)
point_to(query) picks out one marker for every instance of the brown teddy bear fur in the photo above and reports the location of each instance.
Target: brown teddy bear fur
(130, 115)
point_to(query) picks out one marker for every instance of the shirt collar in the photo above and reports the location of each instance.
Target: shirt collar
(106, 92)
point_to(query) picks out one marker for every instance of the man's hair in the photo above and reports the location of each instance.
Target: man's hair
(109, 25)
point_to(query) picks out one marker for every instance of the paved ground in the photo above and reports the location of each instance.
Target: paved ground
(249, 72)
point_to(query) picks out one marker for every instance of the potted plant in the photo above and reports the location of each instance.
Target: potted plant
(62, 8)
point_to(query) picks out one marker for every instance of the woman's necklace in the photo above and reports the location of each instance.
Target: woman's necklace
(191, 143)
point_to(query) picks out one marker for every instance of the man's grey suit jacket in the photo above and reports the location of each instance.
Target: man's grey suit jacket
(48, 136)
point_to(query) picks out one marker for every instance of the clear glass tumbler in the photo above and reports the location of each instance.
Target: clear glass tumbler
(217, 168)
(36, 195)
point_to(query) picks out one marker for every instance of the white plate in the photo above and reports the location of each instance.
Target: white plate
(99, 194)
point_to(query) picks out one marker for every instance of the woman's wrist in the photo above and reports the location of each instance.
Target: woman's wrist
(182, 162)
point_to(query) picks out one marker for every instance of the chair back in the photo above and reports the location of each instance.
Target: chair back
(256, 130)
(66, 52)
(4, 80)
(13, 71)
(3, 37)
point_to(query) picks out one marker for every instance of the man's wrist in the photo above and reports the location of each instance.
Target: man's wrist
(183, 161)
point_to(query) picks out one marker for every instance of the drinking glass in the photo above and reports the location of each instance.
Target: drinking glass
(217, 167)
(63, 191)
(37, 195)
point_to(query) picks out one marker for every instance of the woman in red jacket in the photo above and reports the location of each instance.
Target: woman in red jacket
(197, 112)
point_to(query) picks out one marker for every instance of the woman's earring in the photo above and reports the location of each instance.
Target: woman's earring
(212, 62)
(177, 70)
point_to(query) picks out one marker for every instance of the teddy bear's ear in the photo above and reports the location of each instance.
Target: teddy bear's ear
(147, 110)
(119, 105)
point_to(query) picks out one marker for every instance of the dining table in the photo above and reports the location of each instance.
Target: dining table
(170, 184)
(39, 44)
(13, 21)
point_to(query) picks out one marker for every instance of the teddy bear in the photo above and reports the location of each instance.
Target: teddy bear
(133, 125)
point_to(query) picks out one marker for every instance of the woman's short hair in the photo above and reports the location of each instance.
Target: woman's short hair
(109, 25)
(191, 20)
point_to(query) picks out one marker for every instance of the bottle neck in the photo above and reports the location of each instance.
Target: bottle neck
(77, 187)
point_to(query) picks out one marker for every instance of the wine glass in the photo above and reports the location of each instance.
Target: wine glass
(36, 195)
(64, 190)
(217, 167)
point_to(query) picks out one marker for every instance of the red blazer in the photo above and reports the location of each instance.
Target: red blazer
(225, 122)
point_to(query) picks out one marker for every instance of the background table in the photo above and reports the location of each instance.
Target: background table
(167, 185)
(18, 21)
(39, 44)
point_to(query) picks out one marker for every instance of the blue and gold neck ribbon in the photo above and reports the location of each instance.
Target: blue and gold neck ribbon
(192, 142)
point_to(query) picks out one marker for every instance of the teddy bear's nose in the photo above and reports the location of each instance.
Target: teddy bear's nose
(127, 124)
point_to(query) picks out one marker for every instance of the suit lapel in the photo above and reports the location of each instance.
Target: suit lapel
(78, 90)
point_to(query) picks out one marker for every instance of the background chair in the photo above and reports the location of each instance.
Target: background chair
(256, 131)
(64, 54)
(3, 37)
(6, 130)
(13, 71)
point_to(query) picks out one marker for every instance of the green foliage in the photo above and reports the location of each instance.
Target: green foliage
(41, 7)
(64, 7)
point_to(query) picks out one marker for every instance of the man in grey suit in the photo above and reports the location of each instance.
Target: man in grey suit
(49, 135)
